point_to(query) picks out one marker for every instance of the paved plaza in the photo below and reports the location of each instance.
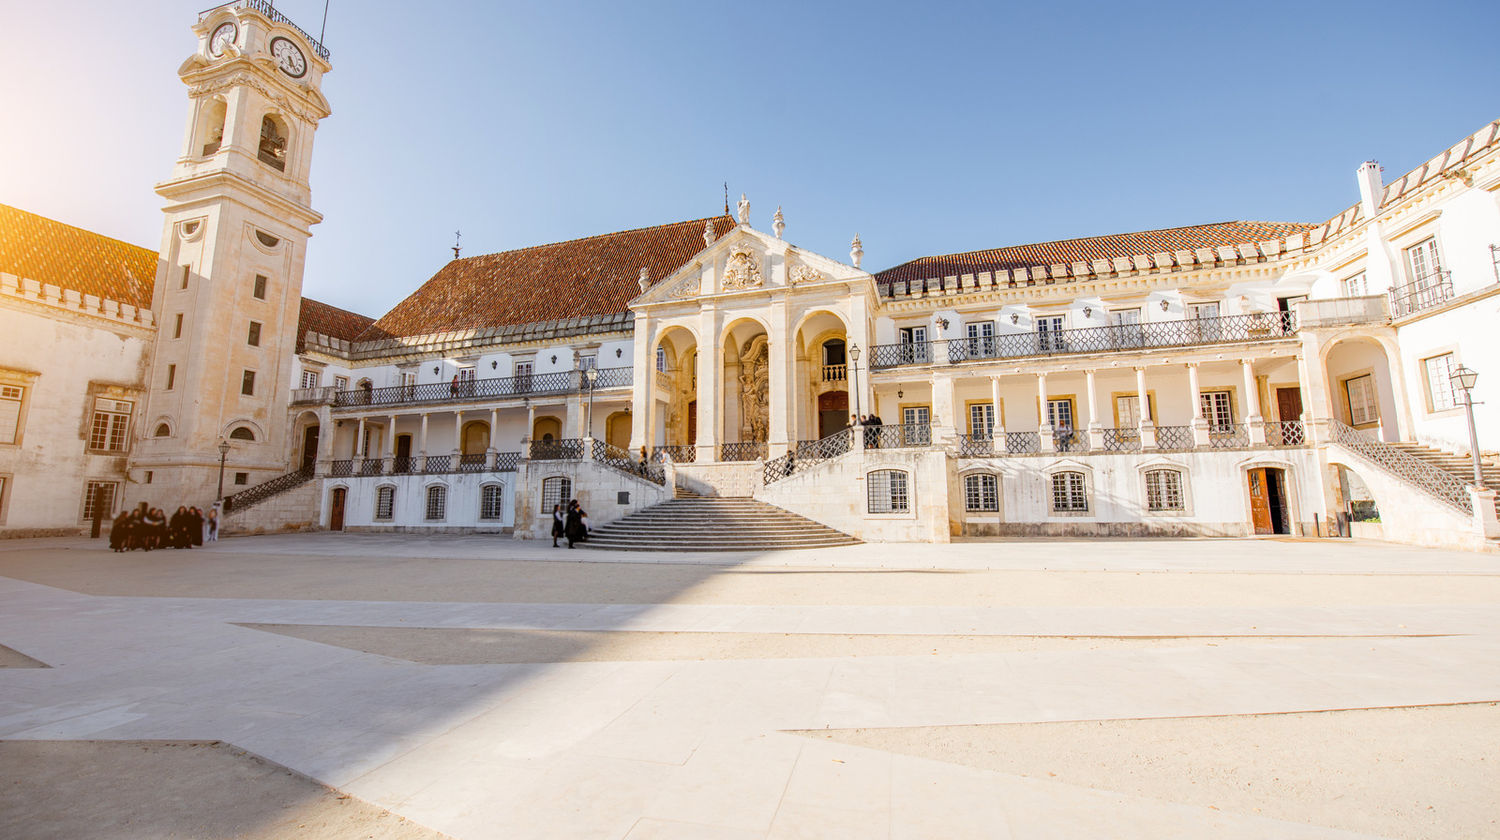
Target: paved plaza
(331, 686)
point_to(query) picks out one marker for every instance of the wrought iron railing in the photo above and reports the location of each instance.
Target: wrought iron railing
(560, 382)
(807, 453)
(835, 373)
(1425, 292)
(438, 464)
(677, 454)
(1285, 433)
(266, 489)
(1070, 440)
(403, 464)
(976, 446)
(1228, 329)
(1122, 440)
(567, 449)
(898, 436)
(473, 462)
(1228, 436)
(1023, 443)
(1174, 438)
(507, 461)
(1443, 486)
(269, 10)
(372, 466)
(617, 458)
(747, 451)
(341, 468)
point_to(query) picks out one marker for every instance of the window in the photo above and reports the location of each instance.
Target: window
(10, 412)
(1422, 262)
(437, 503)
(1128, 412)
(555, 491)
(1440, 390)
(1356, 286)
(463, 382)
(1204, 310)
(1049, 332)
(185, 271)
(1068, 493)
(177, 326)
(260, 287)
(253, 339)
(272, 151)
(242, 478)
(587, 362)
(1164, 490)
(1060, 414)
(982, 420)
(247, 383)
(171, 377)
(887, 492)
(1125, 327)
(149, 476)
(163, 430)
(242, 433)
(99, 495)
(385, 502)
(981, 493)
(981, 339)
(341, 383)
(491, 497)
(1363, 408)
(661, 358)
(523, 379)
(1216, 408)
(310, 378)
(110, 424)
(915, 349)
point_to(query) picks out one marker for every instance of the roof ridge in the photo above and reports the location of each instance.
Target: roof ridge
(79, 229)
(339, 308)
(595, 236)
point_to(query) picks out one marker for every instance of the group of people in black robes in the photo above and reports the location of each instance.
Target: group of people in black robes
(871, 424)
(571, 524)
(146, 528)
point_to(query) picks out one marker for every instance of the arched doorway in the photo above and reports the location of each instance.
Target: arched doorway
(673, 420)
(1270, 510)
(746, 378)
(833, 412)
(823, 374)
(307, 441)
(1362, 393)
(476, 438)
(547, 428)
(617, 430)
(336, 509)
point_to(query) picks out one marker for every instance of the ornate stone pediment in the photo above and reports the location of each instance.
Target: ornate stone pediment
(802, 274)
(742, 269)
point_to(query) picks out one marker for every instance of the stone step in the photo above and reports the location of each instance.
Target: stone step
(714, 523)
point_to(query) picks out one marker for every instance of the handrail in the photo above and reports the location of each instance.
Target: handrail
(525, 385)
(1443, 486)
(617, 458)
(808, 453)
(1228, 329)
(266, 489)
(269, 11)
(743, 451)
(1427, 291)
(567, 449)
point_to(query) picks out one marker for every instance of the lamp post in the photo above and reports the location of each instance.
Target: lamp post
(1464, 377)
(854, 375)
(592, 375)
(223, 455)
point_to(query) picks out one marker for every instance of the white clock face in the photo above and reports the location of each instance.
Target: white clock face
(225, 34)
(288, 57)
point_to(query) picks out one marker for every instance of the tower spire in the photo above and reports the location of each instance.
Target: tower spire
(457, 238)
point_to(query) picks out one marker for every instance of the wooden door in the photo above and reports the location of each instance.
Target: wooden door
(1260, 503)
(692, 435)
(833, 412)
(336, 510)
(1289, 403)
(310, 447)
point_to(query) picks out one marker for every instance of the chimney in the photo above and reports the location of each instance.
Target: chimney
(1370, 188)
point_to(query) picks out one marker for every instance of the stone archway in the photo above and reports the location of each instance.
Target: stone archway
(1361, 387)
(745, 391)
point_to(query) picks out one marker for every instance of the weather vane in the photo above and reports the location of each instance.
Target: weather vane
(457, 238)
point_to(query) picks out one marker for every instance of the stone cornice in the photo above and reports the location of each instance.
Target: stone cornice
(52, 300)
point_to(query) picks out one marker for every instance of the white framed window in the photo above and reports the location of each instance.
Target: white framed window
(310, 378)
(1363, 406)
(1069, 492)
(1355, 286)
(557, 490)
(385, 503)
(11, 398)
(914, 349)
(1128, 409)
(1441, 394)
(587, 362)
(341, 383)
(981, 493)
(981, 338)
(1217, 409)
(101, 494)
(1124, 317)
(1060, 414)
(437, 503)
(1049, 332)
(661, 358)
(491, 502)
(982, 420)
(110, 425)
(1204, 310)
(1164, 491)
(1423, 262)
(523, 377)
(887, 493)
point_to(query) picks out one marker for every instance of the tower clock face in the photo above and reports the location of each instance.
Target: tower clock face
(289, 57)
(225, 34)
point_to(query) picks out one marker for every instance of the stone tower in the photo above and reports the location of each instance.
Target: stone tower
(229, 280)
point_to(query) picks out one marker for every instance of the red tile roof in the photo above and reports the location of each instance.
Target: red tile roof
(1090, 248)
(319, 317)
(581, 278)
(37, 248)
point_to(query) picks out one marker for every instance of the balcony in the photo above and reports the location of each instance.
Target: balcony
(1427, 292)
(835, 373)
(473, 390)
(1230, 329)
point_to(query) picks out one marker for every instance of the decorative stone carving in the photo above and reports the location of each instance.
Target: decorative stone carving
(708, 233)
(645, 278)
(686, 289)
(856, 251)
(742, 270)
(254, 82)
(802, 274)
(744, 210)
(778, 222)
(755, 382)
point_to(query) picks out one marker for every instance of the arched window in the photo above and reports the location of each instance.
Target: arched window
(981, 492)
(1069, 492)
(555, 491)
(211, 134)
(273, 142)
(887, 492)
(491, 502)
(1164, 490)
(385, 503)
(437, 503)
(163, 430)
(242, 433)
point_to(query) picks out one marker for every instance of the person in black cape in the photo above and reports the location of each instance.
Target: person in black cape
(575, 530)
(558, 524)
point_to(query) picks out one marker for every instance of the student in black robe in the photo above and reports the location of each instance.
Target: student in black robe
(119, 532)
(153, 528)
(559, 524)
(575, 529)
(195, 526)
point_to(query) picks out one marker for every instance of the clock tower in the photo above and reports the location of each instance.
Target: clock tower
(229, 279)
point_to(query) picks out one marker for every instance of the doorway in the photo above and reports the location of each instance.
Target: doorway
(1268, 501)
(692, 424)
(336, 509)
(833, 412)
(1289, 403)
(309, 448)
(403, 454)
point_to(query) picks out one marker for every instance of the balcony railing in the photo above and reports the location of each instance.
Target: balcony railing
(268, 8)
(976, 446)
(1425, 293)
(1229, 329)
(314, 396)
(567, 449)
(1122, 440)
(1285, 433)
(835, 373)
(742, 451)
(1023, 443)
(560, 382)
(1174, 438)
(898, 436)
(677, 454)
(1228, 436)
(807, 453)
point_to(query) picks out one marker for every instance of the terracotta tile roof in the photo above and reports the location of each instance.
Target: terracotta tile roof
(37, 248)
(581, 278)
(1090, 248)
(319, 317)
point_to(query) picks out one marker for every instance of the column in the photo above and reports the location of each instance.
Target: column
(999, 429)
(643, 385)
(945, 410)
(1146, 422)
(1096, 429)
(422, 446)
(1252, 404)
(1044, 428)
(530, 423)
(710, 390)
(327, 432)
(1200, 423)
(389, 453)
(490, 451)
(458, 438)
(359, 445)
(781, 389)
(573, 416)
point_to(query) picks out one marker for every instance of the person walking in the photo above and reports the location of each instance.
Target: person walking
(575, 530)
(213, 525)
(119, 532)
(558, 523)
(195, 525)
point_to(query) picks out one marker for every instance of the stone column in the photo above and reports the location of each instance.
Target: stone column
(1044, 427)
(530, 424)
(710, 391)
(491, 451)
(945, 410)
(781, 386)
(1253, 420)
(998, 433)
(1200, 423)
(458, 439)
(359, 446)
(1096, 428)
(643, 378)
(422, 446)
(1146, 421)
(390, 449)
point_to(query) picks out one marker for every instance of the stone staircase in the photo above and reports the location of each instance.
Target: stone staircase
(1458, 466)
(714, 523)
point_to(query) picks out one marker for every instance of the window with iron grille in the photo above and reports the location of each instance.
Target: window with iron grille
(887, 492)
(385, 502)
(981, 493)
(437, 503)
(10, 412)
(1440, 391)
(1069, 493)
(555, 491)
(310, 378)
(102, 494)
(110, 424)
(1164, 490)
(491, 498)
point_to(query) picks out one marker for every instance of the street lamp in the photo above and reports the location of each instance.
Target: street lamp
(1464, 377)
(223, 455)
(854, 375)
(592, 375)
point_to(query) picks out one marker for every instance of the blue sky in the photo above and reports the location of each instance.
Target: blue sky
(926, 128)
